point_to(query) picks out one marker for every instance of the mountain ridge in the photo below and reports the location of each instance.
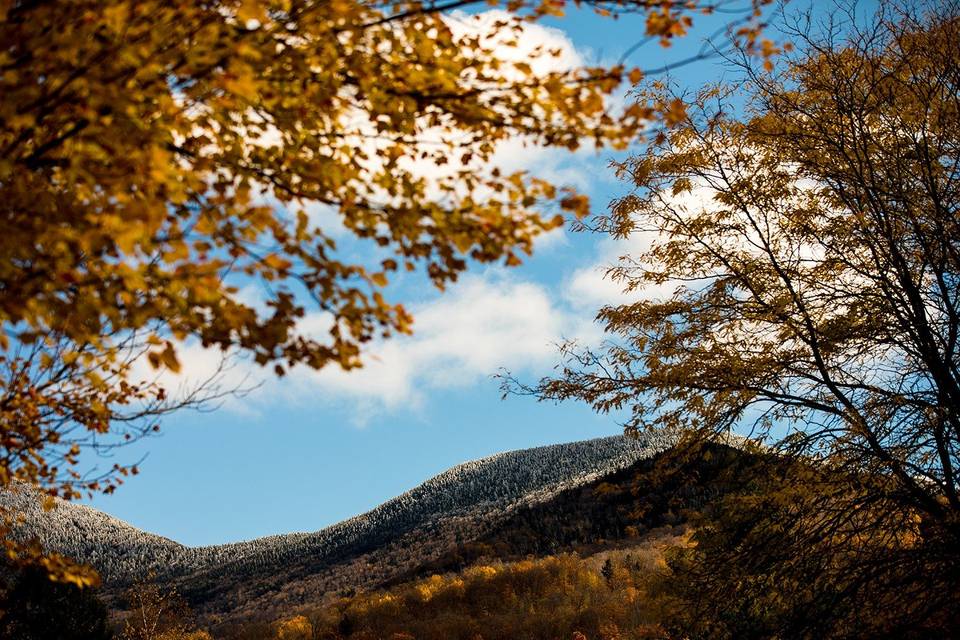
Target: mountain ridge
(414, 527)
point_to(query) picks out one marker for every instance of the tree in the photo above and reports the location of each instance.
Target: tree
(35, 608)
(157, 157)
(787, 556)
(158, 614)
(607, 570)
(809, 244)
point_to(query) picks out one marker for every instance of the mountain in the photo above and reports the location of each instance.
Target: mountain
(417, 529)
(587, 562)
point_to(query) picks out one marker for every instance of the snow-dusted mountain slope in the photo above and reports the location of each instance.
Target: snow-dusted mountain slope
(85, 533)
(444, 509)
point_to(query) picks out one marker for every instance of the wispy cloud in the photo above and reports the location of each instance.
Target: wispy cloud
(460, 338)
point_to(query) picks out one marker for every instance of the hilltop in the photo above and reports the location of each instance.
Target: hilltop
(419, 528)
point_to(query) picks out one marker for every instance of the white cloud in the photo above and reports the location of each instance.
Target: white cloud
(460, 338)
(557, 165)
(206, 371)
(531, 37)
(550, 240)
(594, 286)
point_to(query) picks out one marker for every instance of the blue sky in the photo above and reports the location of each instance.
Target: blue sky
(312, 449)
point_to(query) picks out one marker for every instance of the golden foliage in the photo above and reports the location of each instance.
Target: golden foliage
(296, 628)
(185, 635)
(553, 597)
(26, 553)
(150, 148)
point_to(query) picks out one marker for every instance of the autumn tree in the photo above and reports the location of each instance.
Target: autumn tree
(155, 613)
(788, 556)
(801, 285)
(158, 157)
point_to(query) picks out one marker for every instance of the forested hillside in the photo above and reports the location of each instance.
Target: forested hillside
(591, 560)
(605, 597)
(413, 529)
(621, 556)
